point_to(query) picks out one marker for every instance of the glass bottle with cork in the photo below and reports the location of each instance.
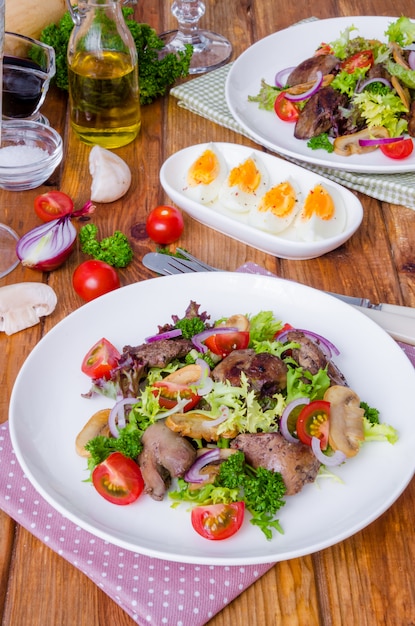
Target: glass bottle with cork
(104, 96)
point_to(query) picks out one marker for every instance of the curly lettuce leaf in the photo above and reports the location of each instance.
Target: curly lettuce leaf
(382, 110)
(402, 31)
(379, 432)
(407, 77)
(245, 412)
(266, 96)
(340, 45)
(300, 383)
(263, 326)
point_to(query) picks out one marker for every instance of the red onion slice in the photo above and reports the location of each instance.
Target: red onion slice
(379, 141)
(307, 94)
(193, 474)
(281, 77)
(411, 59)
(224, 414)
(170, 334)
(116, 418)
(337, 458)
(205, 383)
(327, 346)
(285, 431)
(176, 409)
(361, 86)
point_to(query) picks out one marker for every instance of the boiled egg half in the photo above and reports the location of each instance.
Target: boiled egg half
(276, 209)
(244, 185)
(206, 175)
(320, 217)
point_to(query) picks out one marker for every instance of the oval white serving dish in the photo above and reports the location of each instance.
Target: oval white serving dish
(173, 180)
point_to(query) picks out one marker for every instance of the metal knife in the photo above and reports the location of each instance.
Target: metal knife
(397, 321)
(367, 304)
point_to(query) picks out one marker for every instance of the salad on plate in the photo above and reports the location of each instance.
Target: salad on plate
(354, 95)
(230, 416)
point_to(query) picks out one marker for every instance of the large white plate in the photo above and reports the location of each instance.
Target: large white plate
(173, 175)
(288, 48)
(47, 411)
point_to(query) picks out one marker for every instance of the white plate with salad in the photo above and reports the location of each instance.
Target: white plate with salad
(48, 410)
(287, 48)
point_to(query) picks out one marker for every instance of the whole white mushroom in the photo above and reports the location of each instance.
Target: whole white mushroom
(23, 304)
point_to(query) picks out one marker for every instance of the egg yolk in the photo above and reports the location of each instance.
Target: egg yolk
(280, 200)
(246, 176)
(204, 170)
(319, 203)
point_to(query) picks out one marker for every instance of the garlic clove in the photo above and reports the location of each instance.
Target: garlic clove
(111, 176)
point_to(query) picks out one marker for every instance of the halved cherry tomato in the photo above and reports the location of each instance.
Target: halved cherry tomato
(313, 421)
(286, 110)
(361, 59)
(398, 149)
(223, 344)
(164, 224)
(53, 204)
(100, 359)
(218, 521)
(118, 479)
(169, 392)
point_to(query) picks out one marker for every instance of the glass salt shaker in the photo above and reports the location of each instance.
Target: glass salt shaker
(104, 96)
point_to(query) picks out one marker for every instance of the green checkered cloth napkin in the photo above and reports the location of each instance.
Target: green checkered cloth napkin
(205, 96)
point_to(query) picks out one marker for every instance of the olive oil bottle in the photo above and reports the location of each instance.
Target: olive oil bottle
(104, 93)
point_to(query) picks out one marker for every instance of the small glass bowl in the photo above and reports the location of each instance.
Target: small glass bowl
(30, 168)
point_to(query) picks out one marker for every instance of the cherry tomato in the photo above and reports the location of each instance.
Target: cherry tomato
(53, 204)
(313, 421)
(218, 521)
(359, 60)
(324, 48)
(398, 149)
(286, 110)
(283, 330)
(164, 224)
(168, 393)
(118, 479)
(224, 343)
(94, 278)
(100, 359)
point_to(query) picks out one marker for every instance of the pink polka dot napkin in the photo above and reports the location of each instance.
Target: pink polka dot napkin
(150, 590)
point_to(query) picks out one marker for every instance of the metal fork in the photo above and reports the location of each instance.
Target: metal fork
(168, 265)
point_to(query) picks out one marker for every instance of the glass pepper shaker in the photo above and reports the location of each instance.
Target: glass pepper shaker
(104, 96)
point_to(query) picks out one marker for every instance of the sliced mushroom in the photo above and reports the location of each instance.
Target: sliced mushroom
(111, 176)
(346, 420)
(23, 304)
(196, 425)
(346, 145)
(185, 375)
(398, 56)
(403, 92)
(241, 322)
(96, 425)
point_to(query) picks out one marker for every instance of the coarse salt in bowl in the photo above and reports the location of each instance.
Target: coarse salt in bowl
(29, 154)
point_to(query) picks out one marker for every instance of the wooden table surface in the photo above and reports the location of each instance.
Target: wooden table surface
(365, 580)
